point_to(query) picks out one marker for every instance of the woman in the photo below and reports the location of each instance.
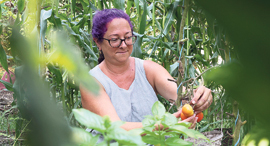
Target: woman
(128, 85)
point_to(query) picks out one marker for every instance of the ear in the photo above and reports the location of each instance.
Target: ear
(98, 43)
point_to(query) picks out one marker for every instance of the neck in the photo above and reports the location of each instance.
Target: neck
(117, 69)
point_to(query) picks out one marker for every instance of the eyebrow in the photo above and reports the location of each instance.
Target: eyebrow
(117, 34)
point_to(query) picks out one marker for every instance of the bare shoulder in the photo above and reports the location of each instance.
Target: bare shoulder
(152, 71)
(151, 67)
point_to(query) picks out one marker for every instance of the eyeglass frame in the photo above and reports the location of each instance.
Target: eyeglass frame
(122, 40)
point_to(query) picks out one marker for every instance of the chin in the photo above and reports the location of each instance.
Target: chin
(123, 58)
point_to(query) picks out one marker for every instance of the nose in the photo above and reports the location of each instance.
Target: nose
(122, 44)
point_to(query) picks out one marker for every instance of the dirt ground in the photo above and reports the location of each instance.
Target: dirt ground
(6, 98)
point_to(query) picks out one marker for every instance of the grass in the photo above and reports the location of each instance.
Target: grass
(8, 127)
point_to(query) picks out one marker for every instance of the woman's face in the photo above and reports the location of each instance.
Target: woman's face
(118, 28)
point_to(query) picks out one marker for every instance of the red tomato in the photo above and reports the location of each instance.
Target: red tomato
(200, 116)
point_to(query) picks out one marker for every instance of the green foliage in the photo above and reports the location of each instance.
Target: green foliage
(246, 80)
(211, 35)
(3, 58)
(113, 131)
(109, 130)
(171, 128)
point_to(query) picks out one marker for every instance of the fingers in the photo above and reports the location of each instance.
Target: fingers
(178, 113)
(192, 120)
(202, 98)
(197, 94)
(193, 125)
(205, 102)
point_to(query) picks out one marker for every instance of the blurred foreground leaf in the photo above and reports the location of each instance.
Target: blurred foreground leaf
(246, 80)
(67, 55)
(47, 126)
(3, 58)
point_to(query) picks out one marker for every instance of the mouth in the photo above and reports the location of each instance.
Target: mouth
(122, 52)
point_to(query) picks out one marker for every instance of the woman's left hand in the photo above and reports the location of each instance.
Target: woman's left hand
(202, 99)
(192, 119)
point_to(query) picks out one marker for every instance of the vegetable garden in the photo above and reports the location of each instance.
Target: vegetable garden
(222, 45)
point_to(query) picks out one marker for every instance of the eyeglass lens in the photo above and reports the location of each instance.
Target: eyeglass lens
(117, 42)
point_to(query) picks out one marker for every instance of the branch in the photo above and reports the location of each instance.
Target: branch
(193, 79)
(232, 136)
(243, 123)
(172, 80)
(232, 115)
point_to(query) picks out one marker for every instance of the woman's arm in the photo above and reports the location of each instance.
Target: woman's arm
(158, 77)
(102, 105)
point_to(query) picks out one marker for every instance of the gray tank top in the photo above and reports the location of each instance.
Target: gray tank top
(133, 104)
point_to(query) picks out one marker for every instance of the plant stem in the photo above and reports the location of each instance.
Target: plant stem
(182, 58)
(206, 50)
(21, 132)
(63, 97)
(153, 19)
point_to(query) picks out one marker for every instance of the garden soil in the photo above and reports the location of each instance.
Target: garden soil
(7, 135)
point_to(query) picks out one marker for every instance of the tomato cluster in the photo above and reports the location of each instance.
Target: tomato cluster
(187, 111)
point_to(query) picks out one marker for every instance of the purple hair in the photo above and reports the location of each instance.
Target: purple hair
(103, 17)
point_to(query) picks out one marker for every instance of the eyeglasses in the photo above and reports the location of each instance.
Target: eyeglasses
(115, 43)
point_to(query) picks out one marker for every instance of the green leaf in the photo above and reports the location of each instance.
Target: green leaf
(137, 2)
(143, 19)
(155, 47)
(56, 72)
(129, 5)
(73, 7)
(119, 4)
(89, 119)
(85, 4)
(158, 109)
(186, 124)
(170, 17)
(81, 23)
(151, 139)
(67, 55)
(257, 136)
(7, 111)
(32, 98)
(3, 58)
(103, 143)
(173, 141)
(189, 132)
(122, 136)
(173, 67)
(149, 8)
(137, 52)
(44, 15)
(169, 120)
(80, 136)
(92, 6)
(56, 21)
(0, 15)
(91, 52)
(107, 121)
(21, 5)
(149, 121)
(86, 36)
(70, 31)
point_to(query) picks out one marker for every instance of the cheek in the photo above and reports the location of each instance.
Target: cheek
(130, 48)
